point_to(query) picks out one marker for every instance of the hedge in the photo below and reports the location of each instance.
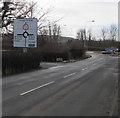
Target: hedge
(13, 62)
(77, 53)
(52, 56)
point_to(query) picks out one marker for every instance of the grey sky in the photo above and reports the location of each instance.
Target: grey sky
(78, 14)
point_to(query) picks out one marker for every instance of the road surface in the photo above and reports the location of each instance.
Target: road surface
(82, 88)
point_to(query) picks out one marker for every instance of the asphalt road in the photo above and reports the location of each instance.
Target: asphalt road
(82, 88)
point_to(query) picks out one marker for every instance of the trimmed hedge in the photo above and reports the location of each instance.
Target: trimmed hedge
(14, 62)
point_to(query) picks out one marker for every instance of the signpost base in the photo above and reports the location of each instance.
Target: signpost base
(25, 50)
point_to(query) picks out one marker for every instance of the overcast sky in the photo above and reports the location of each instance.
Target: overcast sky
(78, 13)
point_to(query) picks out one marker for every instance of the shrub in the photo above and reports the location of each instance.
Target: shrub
(52, 56)
(77, 53)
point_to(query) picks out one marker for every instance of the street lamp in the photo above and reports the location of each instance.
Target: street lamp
(85, 45)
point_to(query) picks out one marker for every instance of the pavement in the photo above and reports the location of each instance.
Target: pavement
(81, 88)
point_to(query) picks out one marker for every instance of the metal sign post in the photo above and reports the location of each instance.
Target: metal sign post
(25, 33)
(25, 50)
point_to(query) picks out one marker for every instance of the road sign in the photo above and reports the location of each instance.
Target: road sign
(25, 32)
(25, 26)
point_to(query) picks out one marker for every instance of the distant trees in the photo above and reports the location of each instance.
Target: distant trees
(52, 30)
(109, 33)
(113, 32)
(90, 35)
(56, 31)
(104, 33)
(108, 38)
(81, 34)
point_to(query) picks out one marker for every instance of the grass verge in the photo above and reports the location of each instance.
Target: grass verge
(100, 52)
(86, 56)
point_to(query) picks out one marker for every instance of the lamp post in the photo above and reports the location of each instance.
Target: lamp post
(85, 44)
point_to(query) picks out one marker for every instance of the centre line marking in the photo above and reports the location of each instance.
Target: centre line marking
(37, 88)
(55, 67)
(84, 69)
(69, 75)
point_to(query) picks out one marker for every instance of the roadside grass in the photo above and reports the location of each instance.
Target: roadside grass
(86, 56)
(116, 54)
(100, 52)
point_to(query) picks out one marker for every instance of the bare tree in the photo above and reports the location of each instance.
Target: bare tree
(19, 10)
(52, 30)
(104, 33)
(56, 32)
(6, 14)
(89, 34)
(113, 32)
(15, 10)
(81, 34)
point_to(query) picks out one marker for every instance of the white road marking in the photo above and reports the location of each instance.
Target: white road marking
(69, 75)
(37, 88)
(84, 69)
(55, 67)
(101, 59)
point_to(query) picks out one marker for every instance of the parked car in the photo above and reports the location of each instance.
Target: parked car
(108, 52)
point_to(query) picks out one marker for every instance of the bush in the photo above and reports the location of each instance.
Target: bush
(77, 53)
(52, 56)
